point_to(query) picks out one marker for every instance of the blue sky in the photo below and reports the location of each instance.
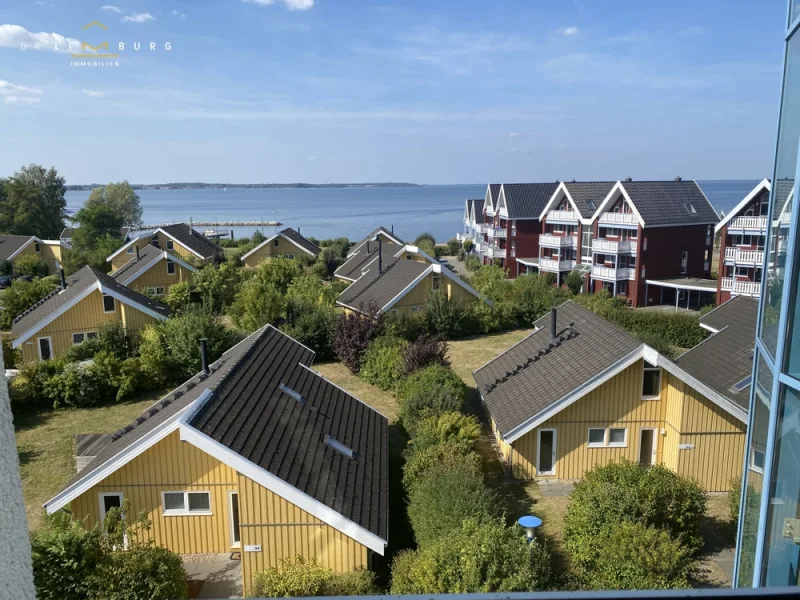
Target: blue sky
(456, 91)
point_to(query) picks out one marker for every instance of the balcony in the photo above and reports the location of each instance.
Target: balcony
(564, 216)
(497, 232)
(612, 273)
(741, 256)
(495, 252)
(482, 228)
(748, 224)
(612, 218)
(741, 288)
(614, 247)
(557, 241)
(555, 265)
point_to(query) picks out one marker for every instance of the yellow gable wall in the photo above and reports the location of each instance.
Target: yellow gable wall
(123, 257)
(416, 257)
(270, 250)
(85, 316)
(177, 248)
(51, 255)
(157, 276)
(417, 297)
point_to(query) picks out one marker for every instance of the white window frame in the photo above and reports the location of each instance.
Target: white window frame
(101, 496)
(173, 264)
(752, 462)
(185, 512)
(129, 250)
(85, 337)
(645, 369)
(591, 444)
(113, 310)
(152, 290)
(234, 543)
(623, 443)
(684, 262)
(39, 346)
(607, 443)
(170, 245)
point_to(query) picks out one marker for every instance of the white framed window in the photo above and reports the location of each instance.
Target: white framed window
(617, 437)
(186, 503)
(129, 250)
(757, 459)
(108, 304)
(77, 338)
(171, 267)
(37, 246)
(597, 438)
(45, 346)
(157, 290)
(609, 437)
(651, 382)
(170, 245)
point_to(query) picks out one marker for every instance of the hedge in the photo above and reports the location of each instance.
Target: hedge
(301, 577)
(446, 428)
(383, 364)
(448, 454)
(431, 391)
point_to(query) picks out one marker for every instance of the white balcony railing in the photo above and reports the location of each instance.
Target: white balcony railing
(557, 241)
(612, 273)
(494, 252)
(748, 223)
(614, 218)
(497, 232)
(482, 228)
(555, 265)
(740, 288)
(741, 256)
(614, 247)
(562, 215)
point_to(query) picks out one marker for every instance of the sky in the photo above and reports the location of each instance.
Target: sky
(452, 91)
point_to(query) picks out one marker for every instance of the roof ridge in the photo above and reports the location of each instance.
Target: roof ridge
(130, 263)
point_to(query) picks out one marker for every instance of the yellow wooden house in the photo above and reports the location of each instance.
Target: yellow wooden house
(74, 312)
(395, 284)
(13, 247)
(579, 392)
(287, 243)
(387, 236)
(257, 454)
(180, 240)
(153, 271)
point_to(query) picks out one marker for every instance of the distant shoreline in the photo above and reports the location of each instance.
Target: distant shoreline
(220, 186)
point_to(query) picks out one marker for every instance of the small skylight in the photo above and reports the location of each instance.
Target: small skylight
(339, 447)
(591, 204)
(690, 208)
(743, 384)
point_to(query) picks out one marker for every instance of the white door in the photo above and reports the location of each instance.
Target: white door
(546, 452)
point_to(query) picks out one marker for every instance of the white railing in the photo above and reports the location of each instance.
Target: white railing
(482, 228)
(613, 247)
(497, 232)
(612, 273)
(562, 215)
(744, 257)
(741, 288)
(618, 218)
(493, 252)
(749, 223)
(557, 241)
(554, 265)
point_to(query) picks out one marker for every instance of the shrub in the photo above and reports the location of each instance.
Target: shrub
(79, 385)
(314, 328)
(425, 236)
(277, 272)
(181, 338)
(409, 326)
(32, 265)
(352, 335)
(217, 286)
(637, 557)
(474, 558)
(179, 296)
(490, 281)
(11, 356)
(628, 492)
(448, 454)
(574, 282)
(257, 304)
(453, 246)
(450, 427)
(6, 268)
(301, 577)
(19, 297)
(531, 297)
(431, 391)
(462, 255)
(308, 291)
(154, 358)
(444, 316)
(426, 350)
(114, 339)
(468, 246)
(473, 263)
(735, 499)
(330, 260)
(383, 363)
(352, 583)
(143, 573)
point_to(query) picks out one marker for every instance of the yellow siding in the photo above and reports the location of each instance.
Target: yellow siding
(419, 295)
(49, 254)
(121, 259)
(284, 531)
(157, 276)
(270, 250)
(177, 248)
(416, 257)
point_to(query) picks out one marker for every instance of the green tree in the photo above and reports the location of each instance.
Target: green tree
(257, 304)
(20, 296)
(31, 264)
(32, 202)
(574, 281)
(444, 316)
(122, 200)
(92, 252)
(217, 286)
(490, 281)
(384, 361)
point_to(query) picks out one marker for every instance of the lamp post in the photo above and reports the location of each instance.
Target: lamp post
(529, 523)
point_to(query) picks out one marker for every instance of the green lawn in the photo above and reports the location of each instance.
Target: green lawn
(45, 445)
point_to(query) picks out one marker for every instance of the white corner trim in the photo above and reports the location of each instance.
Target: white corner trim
(54, 315)
(562, 187)
(180, 243)
(291, 241)
(618, 187)
(32, 239)
(132, 303)
(575, 395)
(281, 488)
(419, 278)
(760, 187)
(717, 398)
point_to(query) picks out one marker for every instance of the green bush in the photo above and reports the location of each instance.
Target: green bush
(628, 492)
(637, 557)
(217, 286)
(143, 573)
(473, 263)
(11, 356)
(450, 427)
(574, 282)
(440, 501)
(6, 268)
(19, 297)
(474, 558)
(735, 499)
(444, 316)
(66, 559)
(257, 304)
(352, 583)
(453, 246)
(432, 391)
(490, 281)
(179, 296)
(314, 329)
(301, 577)
(468, 245)
(79, 385)
(448, 454)
(409, 326)
(384, 362)
(31, 264)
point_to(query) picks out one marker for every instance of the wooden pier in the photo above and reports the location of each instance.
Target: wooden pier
(216, 224)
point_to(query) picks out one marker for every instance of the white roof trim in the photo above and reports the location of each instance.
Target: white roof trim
(488, 207)
(575, 395)
(133, 304)
(268, 240)
(434, 268)
(760, 187)
(55, 314)
(25, 245)
(618, 187)
(681, 286)
(381, 230)
(529, 262)
(417, 250)
(177, 241)
(501, 200)
(127, 244)
(550, 203)
(159, 257)
(281, 488)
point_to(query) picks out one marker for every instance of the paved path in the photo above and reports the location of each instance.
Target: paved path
(221, 577)
(555, 487)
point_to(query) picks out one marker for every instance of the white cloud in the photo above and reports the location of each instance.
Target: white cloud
(138, 18)
(177, 13)
(22, 100)
(9, 89)
(290, 4)
(112, 8)
(13, 36)
(93, 93)
(514, 134)
(567, 31)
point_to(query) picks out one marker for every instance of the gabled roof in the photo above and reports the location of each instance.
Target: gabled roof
(784, 190)
(292, 236)
(183, 234)
(79, 286)
(11, 245)
(725, 359)
(352, 268)
(373, 235)
(525, 200)
(264, 412)
(149, 256)
(584, 196)
(492, 194)
(477, 211)
(760, 188)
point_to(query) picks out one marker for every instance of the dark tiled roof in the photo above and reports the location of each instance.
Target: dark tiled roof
(11, 243)
(186, 236)
(135, 265)
(77, 283)
(584, 192)
(494, 193)
(298, 239)
(535, 374)
(359, 259)
(663, 203)
(478, 209)
(251, 416)
(726, 357)
(782, 189)
(527, 200)
(90, 444)
(371, 238)
(375, 289)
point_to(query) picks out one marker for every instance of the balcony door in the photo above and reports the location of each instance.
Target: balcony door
(546, 454)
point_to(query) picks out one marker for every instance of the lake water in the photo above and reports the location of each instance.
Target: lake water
(348, 212)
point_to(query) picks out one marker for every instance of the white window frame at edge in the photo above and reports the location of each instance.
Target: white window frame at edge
(234, 543)
(84, 334)
(645, 368)
(607, 443)
(152, 290)
(185, 512)
(751, 463)
(169, 244)
(101, 496)
(174, 267)
(39, 346)
(108, 312)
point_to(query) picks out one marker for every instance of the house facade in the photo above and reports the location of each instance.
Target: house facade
(474, 228)
(181, 240)
(558, 406)
(287, 243)
(153, 271)
(13, 247)
(232, 461)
